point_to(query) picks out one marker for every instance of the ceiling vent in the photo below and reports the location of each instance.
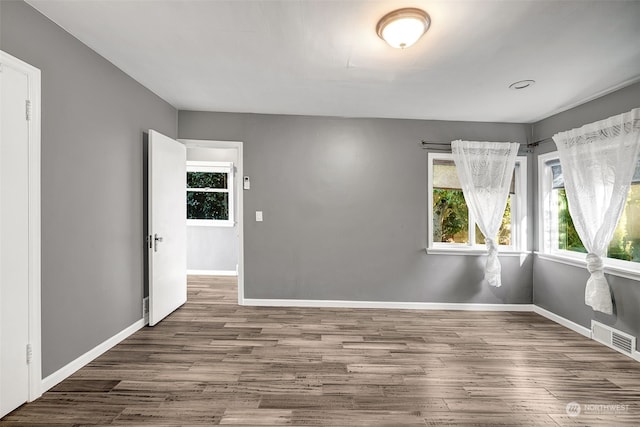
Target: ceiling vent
(624, 343)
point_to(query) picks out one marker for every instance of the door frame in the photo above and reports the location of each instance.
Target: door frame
(35, 366)
(239, 198)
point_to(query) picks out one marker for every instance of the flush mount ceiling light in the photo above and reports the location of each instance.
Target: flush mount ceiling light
(522, 84)
(403, 27)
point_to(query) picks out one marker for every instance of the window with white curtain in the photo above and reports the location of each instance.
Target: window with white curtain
(452, 228)
(558, 236)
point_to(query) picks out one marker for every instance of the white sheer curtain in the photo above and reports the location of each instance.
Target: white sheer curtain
(485, 170)
(598, 161)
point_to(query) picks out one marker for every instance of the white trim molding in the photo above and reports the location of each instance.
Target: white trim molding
(212, 272)
(71, 367)
(562, 321)
(386, 304)
(518, 219)
(579, 260)
(475, 250)
(586, 332)
(239, 199)
(548, 229)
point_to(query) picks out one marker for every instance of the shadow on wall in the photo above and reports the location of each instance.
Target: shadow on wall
(508, 291)
(461, 276)
(469, 280)
(626, 301)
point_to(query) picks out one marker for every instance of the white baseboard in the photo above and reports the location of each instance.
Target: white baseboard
(425, 306)
(574, 326)
(73, 366)
(212, 272)
(386, 304)
(562, 321)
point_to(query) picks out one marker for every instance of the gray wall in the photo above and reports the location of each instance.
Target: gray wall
(557, 287)
(345, 209)
(213, 247)
(93, 119)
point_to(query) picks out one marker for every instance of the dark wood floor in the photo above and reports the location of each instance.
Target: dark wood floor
(214, 362)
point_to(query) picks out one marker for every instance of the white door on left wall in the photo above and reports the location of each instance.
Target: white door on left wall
(14, 238)
(167, 237)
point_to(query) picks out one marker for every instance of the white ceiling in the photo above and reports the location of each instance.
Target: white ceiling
(322, 57)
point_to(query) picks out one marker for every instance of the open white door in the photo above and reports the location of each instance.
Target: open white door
(20, 373)
(167, 226)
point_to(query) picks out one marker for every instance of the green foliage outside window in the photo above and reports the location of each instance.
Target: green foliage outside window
(450, 216)
(206, 180)
(201, 205)
(625, 244)
(207, 205)
(568, 238)
(451, 219)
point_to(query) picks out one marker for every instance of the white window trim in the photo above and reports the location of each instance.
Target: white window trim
(547, 251)
(223, 167)
(518, 216)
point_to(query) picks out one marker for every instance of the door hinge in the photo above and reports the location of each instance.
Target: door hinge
(29, 354)
(28, 109)
(150, 241)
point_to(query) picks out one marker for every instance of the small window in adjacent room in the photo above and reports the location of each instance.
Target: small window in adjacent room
(210, 193)
(558, 234)
(452, 227)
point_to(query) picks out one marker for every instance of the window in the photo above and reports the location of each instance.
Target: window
(558, 234)
(452, 227)
(209, 193)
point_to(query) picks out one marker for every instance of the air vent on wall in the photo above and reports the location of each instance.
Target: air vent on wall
(624, 343)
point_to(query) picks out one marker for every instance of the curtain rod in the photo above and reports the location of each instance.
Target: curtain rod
(540, 141)
(446, 146)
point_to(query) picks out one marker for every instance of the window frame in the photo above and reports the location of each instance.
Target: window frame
(548, 228)
(518, 215)
(217, 167)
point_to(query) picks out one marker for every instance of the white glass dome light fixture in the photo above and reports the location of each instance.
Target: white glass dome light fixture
(403, 27)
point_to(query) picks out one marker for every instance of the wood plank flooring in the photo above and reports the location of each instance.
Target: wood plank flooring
(214, 362)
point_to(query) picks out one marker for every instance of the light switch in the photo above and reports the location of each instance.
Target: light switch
(258, 216)
(246, 184)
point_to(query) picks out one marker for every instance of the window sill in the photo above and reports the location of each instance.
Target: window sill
(462, 250)
(615, 270)
(205, 223)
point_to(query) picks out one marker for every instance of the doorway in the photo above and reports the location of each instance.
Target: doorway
(216, 247)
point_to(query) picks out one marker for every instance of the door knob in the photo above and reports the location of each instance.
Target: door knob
(156, 239)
